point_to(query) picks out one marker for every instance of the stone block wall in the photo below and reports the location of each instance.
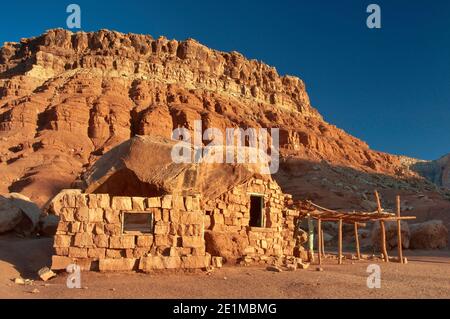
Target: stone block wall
(90, 233)
(231, 213)
(290, 218)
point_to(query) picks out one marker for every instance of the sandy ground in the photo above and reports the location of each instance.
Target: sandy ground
(427, 275)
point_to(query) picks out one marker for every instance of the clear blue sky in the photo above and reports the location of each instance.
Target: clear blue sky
(389, 87)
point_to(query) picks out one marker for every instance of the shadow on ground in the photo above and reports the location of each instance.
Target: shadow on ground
(26, 255)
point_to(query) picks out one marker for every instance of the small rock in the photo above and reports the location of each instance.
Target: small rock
(303, 265)
(291, 267)
(225, 278)
(46, 274)
(217, 262)
(274, 269)
(23, 282)
(35, 291)
(19, 281)
(319, 269)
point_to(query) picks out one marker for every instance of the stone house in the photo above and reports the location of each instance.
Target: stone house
(137, 210)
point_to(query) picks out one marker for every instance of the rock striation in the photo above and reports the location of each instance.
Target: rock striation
(67, 98)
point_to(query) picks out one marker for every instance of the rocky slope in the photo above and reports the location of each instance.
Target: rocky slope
(437, 171)
(66, 98)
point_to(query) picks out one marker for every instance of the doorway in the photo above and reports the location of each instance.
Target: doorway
(256, 211)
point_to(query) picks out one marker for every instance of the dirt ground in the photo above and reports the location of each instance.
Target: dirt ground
(427, 275)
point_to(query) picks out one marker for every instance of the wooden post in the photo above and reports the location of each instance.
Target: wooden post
(310, 239)
(358, 253)
(323, 245)
(377, 198)
(382, 229)
(399, 232)
(319, 240)
(340, 242)
(383, 241)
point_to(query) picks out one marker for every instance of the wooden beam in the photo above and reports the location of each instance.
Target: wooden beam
(358, 253)
(392, 219)
(383, 241)
(359, 221)
(323, 245)
(340, 242)
(377, 198)
(399, 232)
(382, 229)
(310, 239)
(319, 240)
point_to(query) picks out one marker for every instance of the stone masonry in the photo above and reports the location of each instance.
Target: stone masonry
(231, 213)
(90, 231)
(90, 234)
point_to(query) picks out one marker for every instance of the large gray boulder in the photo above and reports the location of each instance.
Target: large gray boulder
(18, 213)
(10, 216)
(48, 225)
(429, 235)
(391, 235)
(29, 208)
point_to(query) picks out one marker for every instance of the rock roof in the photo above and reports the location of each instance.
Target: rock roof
(148, 160)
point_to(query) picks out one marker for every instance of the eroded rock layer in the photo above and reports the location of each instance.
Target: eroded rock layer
(66, 98)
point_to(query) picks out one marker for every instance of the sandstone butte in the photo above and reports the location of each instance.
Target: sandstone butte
(67, 98)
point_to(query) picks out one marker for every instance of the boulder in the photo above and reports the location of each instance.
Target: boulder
(301, 253)
(391, 235)
(54, 205)
(328, 239)
(48, 225)
(18, 213)
(229, 246)
(429, 235)
(10, 216)
(301, 236)
(365, 238)
(31, 211)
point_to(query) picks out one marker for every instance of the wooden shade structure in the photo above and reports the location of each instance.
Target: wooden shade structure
(322, 214)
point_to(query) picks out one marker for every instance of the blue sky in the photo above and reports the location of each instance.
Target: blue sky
(389, 87)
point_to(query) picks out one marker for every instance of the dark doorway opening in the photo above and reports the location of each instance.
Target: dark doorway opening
(256, 211)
